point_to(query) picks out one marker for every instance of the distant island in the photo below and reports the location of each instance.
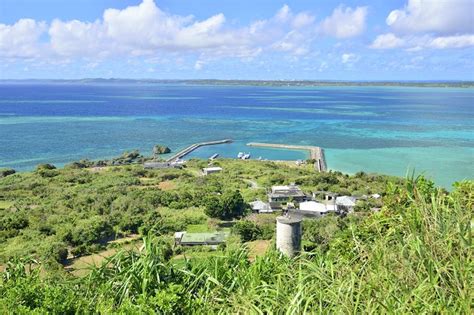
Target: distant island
(293, 83)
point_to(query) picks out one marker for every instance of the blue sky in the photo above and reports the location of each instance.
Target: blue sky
(259, 39)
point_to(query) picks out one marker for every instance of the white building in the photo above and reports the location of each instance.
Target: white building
(346, 203)
(260, 207)
(317, 207)
(211, 170)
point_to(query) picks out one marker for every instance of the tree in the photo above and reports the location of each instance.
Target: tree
(213, 207)
(233, 204)
(247, 230)
(229, 205)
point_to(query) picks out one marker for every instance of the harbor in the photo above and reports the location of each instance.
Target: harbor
(316, 154)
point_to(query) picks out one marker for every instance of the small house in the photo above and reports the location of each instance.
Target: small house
(211, 170)
(259, 206)
(287, 193)
(346, 203)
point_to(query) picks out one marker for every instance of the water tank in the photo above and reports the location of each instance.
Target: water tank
(288, 235)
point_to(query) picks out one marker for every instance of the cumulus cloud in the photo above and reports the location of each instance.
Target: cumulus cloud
(387, 41)
(442, 16)
(77, 38)
(147, 30)
(21, 39)
(429, 24)
(345, 22)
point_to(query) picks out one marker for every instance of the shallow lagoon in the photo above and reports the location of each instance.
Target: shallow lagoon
(375, 129)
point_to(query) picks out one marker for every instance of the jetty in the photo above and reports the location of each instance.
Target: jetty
(181, 154)
(315, 153)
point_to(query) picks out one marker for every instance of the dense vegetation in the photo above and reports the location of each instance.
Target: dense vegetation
(414, 255)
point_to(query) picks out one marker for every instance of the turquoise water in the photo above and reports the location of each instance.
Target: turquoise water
(375, 129)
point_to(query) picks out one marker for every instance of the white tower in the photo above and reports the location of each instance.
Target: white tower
(288, 235)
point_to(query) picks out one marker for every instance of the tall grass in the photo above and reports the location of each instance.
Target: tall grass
(414, 256)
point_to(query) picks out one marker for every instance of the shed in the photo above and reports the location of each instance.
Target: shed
(211, 170)
(190, 239)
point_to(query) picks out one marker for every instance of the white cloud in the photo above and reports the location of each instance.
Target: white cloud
(349, 58)
(21, 40)
(199, 65)
(77, 38)
(387, 41)
(460, 41)
(420, 42)
(443, 16)
(148, 31)
(302, 19)
(345, 22)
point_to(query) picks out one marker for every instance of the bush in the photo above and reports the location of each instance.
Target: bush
(45, 166)
(247, 230)
(56, 251)
(4, 172)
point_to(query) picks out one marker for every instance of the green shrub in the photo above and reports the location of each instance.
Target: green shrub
(247, 230)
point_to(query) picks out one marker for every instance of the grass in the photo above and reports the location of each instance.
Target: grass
(5, 204)
(82, 266)
(199, 228)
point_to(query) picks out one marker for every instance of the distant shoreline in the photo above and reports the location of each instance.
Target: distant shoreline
(269, 83)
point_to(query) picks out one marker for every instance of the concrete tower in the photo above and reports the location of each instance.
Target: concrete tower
(288, 235)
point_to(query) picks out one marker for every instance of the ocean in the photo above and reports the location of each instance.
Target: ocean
(389, 130)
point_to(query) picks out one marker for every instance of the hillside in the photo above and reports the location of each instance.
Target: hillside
(414, 255)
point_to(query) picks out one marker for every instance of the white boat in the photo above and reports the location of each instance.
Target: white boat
(246, 156)
(240, 155)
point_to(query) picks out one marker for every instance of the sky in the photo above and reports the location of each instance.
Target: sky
(239, 39)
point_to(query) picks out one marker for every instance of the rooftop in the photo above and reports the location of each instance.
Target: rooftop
(204, 238)
(215, 168)
(290, 190)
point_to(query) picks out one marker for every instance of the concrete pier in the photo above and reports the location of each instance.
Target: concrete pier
(195, 146)
(288, 235)
(315, 153)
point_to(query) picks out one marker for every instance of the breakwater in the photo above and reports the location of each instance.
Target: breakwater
(195, 146)
(315, 153)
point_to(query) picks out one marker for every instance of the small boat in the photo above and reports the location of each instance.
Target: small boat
(246, 156)
(240, 155)
(214, 156)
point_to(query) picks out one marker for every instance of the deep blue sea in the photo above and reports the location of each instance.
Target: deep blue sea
(375, 129)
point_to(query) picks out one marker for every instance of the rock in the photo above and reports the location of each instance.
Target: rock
(160, 149)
